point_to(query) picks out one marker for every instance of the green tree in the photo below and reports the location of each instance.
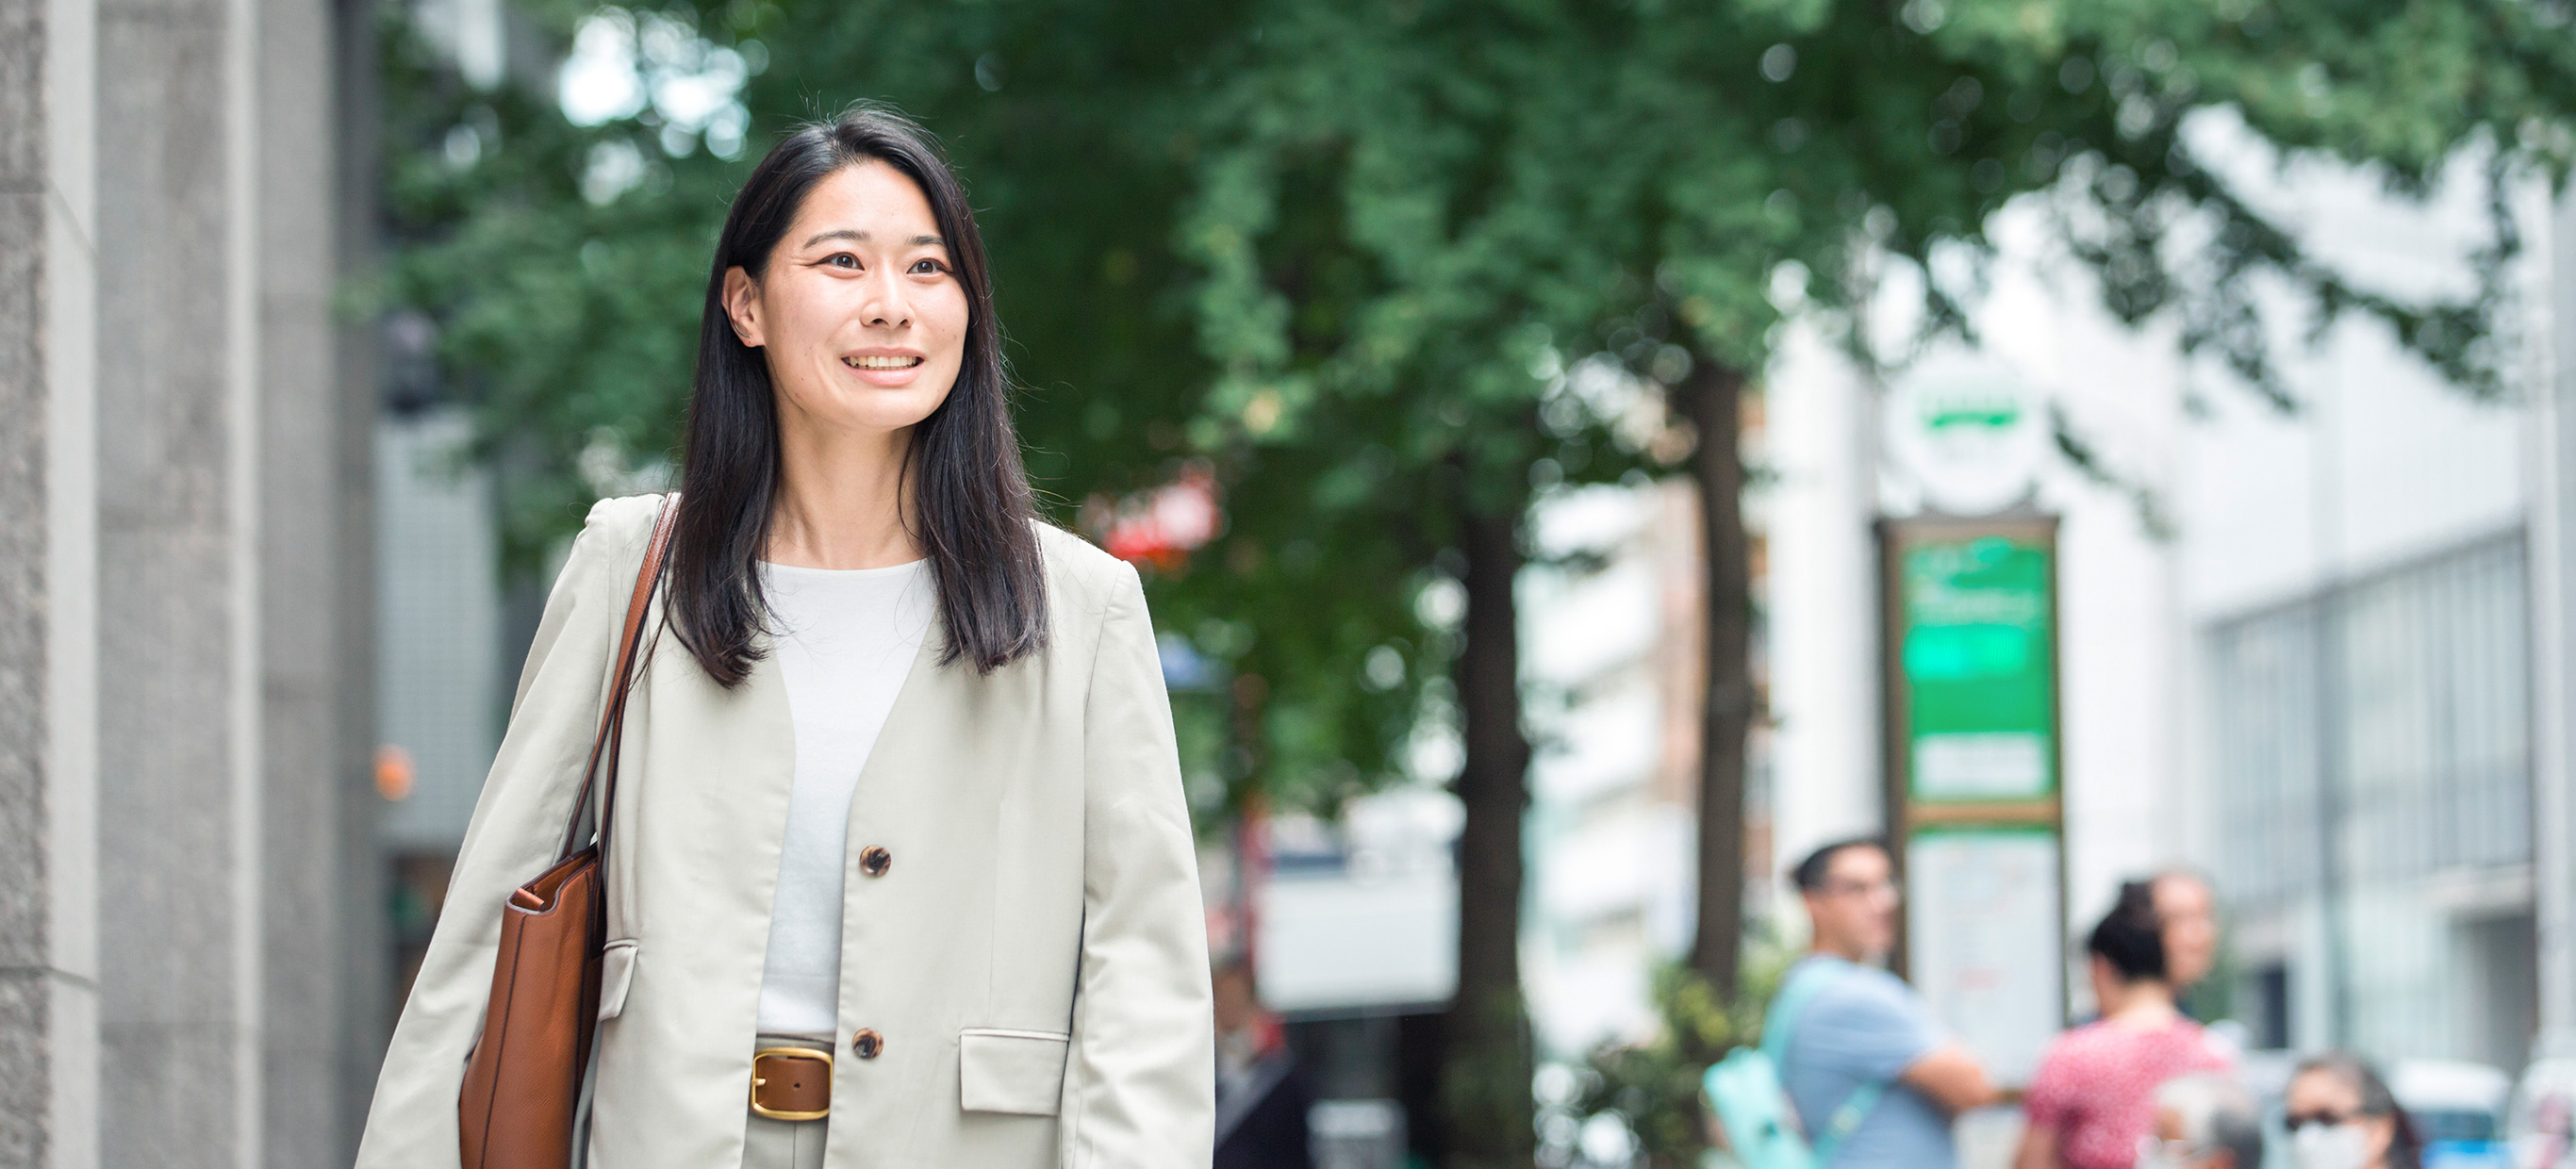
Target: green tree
(1411, 217)
(560, 267)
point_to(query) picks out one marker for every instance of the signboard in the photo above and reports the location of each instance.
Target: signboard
(1977, 663)
(1968, 431)
(1973, 777)
(1982, 911)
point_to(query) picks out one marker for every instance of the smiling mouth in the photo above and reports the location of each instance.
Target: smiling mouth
(881, 362)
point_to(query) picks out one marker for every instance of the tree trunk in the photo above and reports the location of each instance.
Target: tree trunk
(1712, 398)
(1485, 1070)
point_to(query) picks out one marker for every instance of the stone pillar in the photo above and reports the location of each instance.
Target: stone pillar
(178, 586)
(364, 956)
(183, 591)
(49, 999)
(322, 967)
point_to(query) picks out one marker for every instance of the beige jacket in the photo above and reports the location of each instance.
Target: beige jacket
(1034, 957)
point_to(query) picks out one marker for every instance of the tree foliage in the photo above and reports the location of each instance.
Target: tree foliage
(1403, 204)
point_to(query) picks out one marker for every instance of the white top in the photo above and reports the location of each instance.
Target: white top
(845, 641)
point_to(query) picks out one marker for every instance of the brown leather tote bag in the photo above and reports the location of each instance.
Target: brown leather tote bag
(524, 1079)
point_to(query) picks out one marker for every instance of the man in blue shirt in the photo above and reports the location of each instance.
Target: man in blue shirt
(1865, 1026)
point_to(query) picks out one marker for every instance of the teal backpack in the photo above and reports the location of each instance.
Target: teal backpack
(1761, 1125)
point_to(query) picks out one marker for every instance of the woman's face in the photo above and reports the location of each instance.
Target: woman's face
(860, 314)
(2323, 1099)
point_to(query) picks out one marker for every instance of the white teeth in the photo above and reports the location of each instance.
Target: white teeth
(881, 362)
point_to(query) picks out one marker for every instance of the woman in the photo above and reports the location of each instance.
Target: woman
(2092, 1101)
(898, 788)
(2340, 1115)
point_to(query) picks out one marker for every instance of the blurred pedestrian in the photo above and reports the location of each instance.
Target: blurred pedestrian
(2093, 1098)
(1027, 950)
(2341, 1115)
(1874, 1079)
(2204, 1121)
(2188, 908)
(1262, 1097)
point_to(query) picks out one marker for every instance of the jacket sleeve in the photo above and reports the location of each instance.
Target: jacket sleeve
(1140, 1080)
(517, 827)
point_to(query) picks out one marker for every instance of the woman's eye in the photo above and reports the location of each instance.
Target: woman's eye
(927, 267)
(843, 260)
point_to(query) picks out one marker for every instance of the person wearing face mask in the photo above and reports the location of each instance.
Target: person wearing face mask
(2093, 1098)
(2204, 1121)
(2341, 1115)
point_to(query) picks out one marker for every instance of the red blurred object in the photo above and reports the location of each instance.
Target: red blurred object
(1270, 1033)
(1252, 873)
(1163, 526)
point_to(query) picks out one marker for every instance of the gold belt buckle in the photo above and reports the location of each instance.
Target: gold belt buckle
(789, 1053)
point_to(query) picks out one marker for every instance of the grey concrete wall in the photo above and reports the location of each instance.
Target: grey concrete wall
(48, 838)
(25, 950)
(177, 797)
(184, 606)
(315, 476)
(365, 956)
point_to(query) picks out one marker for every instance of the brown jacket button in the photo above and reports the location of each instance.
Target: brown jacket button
(867, 1043)
(874, 860)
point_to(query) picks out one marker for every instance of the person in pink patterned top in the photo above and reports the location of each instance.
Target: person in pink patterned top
(2094, 1097)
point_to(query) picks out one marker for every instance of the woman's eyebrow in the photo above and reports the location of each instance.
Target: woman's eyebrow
(856, 236)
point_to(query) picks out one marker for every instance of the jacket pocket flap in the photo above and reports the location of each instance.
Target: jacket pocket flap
(616, 973)
(1000, 1070)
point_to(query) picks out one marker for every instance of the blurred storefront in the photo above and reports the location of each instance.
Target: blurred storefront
(1353, 940)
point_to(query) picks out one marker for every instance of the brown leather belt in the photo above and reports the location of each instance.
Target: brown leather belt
(791, 1083)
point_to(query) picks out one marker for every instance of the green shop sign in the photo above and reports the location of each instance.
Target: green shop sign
(1977, 665)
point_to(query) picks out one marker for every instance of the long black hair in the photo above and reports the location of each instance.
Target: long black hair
(972, 514)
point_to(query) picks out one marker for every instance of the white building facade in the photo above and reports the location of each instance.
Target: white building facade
(2318, 655)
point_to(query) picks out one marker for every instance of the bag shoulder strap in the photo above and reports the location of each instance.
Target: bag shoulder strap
(1807, 980)
(1810, 979)
(612, 711)
(1846, 1119)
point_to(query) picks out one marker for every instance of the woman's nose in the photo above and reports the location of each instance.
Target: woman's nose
(885, 303)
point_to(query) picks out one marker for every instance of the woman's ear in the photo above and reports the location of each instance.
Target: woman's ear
(742, 306)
